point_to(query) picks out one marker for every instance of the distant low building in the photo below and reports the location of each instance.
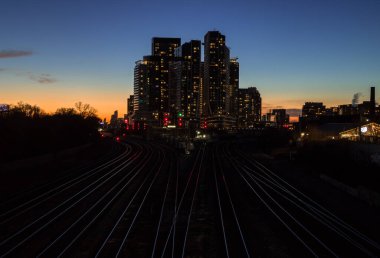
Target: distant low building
(368, 132)
(313, 110)
(365, 111)
(276, 117)
(348, 110)
(221, 122)
(281, 118)
(332, 111)
(327, 131)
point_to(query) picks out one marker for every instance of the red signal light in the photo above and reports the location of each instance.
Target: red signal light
(180, 122)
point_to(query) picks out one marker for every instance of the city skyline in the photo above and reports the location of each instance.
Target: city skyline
(58, 54)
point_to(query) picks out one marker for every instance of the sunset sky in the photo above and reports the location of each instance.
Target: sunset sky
(55, 53)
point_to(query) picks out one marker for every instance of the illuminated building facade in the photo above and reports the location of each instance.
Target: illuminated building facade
(173, 80)
(249, 107)
(368, 132)
(312, 110)
(163, 51)
(151, 81)
(232, 105)
(145, 84)
(202, 100)
(216, 73)
(185, 80)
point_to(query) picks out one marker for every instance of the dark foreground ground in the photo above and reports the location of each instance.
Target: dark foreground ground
(147, 199)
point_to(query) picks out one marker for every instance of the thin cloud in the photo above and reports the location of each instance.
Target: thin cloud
(2, 69)
(42, 78)
(14, 53)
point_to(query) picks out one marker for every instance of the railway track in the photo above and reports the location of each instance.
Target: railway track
(318, 230)
(34, 220)
(147, 200)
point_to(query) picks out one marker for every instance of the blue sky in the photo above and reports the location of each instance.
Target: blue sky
(54, 53)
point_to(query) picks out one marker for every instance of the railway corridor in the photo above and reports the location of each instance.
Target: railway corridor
(147, 200)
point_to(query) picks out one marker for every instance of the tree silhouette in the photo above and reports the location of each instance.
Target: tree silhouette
(85, 110)
(66, 111)
(27, 110)
(26, 130)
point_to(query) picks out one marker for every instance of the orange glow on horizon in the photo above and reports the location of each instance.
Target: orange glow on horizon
(293, 119)
(50, 99)
(53, 96)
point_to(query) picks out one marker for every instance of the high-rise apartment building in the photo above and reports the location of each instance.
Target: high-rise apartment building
(130, 104)
(185, 80)
(114, 117)
(216, 73)
(202, 100)
(249, 106)
(163, 51)
(232, 106)
(173, 80)
(151, 81)
(146, 89)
